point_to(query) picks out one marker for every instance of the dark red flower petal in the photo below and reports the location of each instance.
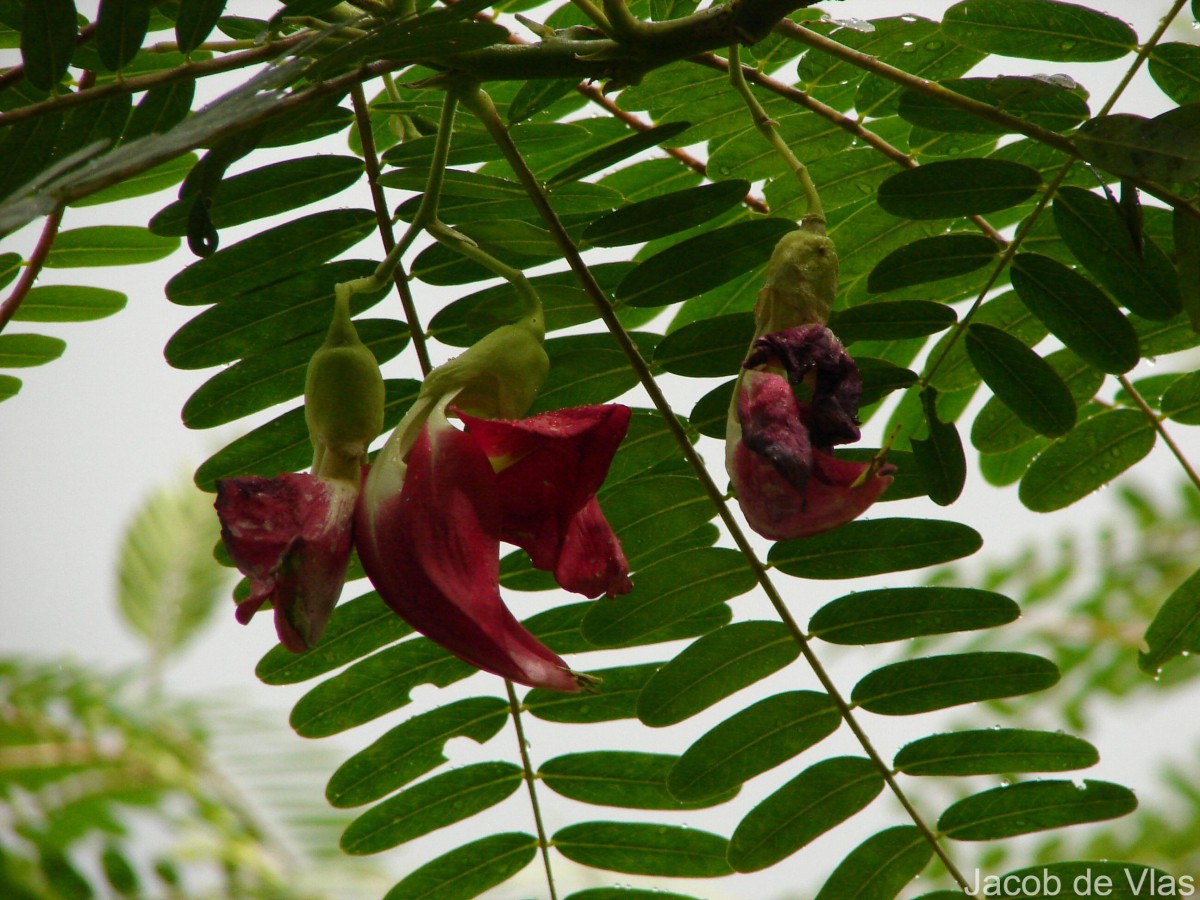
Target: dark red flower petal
(591, 561)
(432, 553)
(549, 467)
(812, 354)
(291, 535)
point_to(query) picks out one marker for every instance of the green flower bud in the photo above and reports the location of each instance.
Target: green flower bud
(800, 283)
(343, 399)
(496, 378)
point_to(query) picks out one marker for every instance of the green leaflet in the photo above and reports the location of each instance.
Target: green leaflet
(48, 29)
(669, 590)
(559, 628)
(588, 368)
(816, 800)
(702, 262)
(120, 28)
(717, 665)
(995, 751)
(1021, 380)
(281, 312)
(261, 260)
(196, 21)
(1143, 280)
(874, 546)
(892, 320)
(1163, 149)
(434, 803)
(108, 245)
(958, 187)
(470, 870)
(997, 429)
(1034, 806)
(1175, 629)
(1039, 101)
(758, 738)
(892, 614)
(939, 457)
(615, 698)
(1038, 29)
(1175, 67)
(880, 866)
(619, 778)
(644, 849)
(1076, 312)
(665, 214)
(615, 152)
(24, 350)
(412, 748)
(69, 303)
(937, 682)
(1095, 452)
(10, 386)
(707, 348)
(266, 191)
(931, 259)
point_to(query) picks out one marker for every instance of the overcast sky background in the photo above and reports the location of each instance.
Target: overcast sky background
(90, 435)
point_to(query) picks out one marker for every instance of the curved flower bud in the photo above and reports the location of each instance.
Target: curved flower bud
(431, 548)
(779, 449)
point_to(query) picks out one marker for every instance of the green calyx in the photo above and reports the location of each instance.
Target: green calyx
(499, 376)
(800, 283)
(343, 399)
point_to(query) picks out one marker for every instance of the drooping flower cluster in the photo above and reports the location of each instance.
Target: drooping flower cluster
(779, 448)
(434, 508)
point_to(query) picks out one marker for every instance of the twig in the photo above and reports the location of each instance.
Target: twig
(514, 707)
(986, 111)
(1161, 429)
(139, 83)
(595, 95)
(33, 267)
(383, 218)
(813, 208)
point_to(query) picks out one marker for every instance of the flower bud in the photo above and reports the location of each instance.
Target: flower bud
(800, 283)
(498, 377)
(343, 399)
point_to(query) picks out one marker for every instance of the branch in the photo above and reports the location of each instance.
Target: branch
(33, 268)
(139, 83)
(985, 111)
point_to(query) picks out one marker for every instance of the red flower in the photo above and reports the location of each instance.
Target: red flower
(437, 504)
(291, 535)
(779, 449)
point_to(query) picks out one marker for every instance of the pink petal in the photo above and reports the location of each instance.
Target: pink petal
(291, 535)
(549, 468)
(431, 552)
